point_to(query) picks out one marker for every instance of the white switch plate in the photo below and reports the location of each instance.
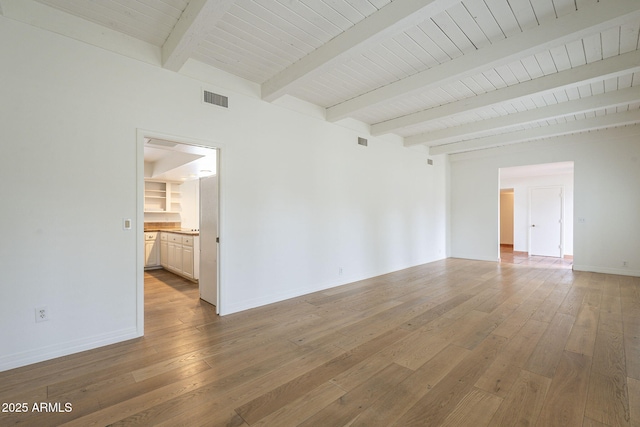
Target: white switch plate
(126, 224)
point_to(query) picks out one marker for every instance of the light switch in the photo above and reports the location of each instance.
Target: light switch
(126, 224)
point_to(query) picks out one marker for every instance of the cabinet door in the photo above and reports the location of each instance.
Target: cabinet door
(155, 254)
(148, 249)
(178, 257)
(164, 254)
(150, 253)
(171, 255)
(187, 261)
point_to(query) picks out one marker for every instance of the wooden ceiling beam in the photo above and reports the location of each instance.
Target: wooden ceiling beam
(577, 126)
(392, 19)
(190, 30)
(613, 67)
(578, 106)
(574, 26)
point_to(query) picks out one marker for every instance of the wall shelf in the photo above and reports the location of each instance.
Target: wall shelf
(161, 197)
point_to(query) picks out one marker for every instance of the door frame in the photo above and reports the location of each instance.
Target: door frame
(141, 134)
(562, 209)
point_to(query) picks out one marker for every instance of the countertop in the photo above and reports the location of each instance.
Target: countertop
(185, 231)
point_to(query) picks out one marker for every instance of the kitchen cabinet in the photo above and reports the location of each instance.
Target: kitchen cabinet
(164, 250)
(175, 252)
(187, 257)
(178, 254)
(151, 250)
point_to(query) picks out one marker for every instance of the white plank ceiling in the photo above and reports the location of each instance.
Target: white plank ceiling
(453, 75)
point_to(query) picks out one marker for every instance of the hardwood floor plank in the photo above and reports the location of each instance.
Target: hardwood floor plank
(333, 320)
(547, 355)
(419, 348)
(49, 374)
(630, 305)
(550, 306)
(435, 312)
(304, 407)
(435, 406)
(501, 375)
(476, 408)
(632, 349)
(461, 327)
(608, 401)
(523, 403)
(399, 399)
(582, 338)
(633, 386)
(588, 422)
(349, 406)
(220, 397)
(573, 301)
(487, 325)
(280, 396)
(521, 315)
(565, 402)
(481, 297)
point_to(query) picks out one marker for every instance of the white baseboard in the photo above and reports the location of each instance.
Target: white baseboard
(607, 270)
(17, 360)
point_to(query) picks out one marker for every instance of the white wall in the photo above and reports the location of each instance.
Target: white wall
(521, 187)
(506, 218)
(606, 197)
(300, 198)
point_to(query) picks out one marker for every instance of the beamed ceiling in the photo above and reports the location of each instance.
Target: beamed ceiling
(452, 75)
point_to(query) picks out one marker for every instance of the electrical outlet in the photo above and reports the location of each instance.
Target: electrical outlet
(42, 314)
(339, 271)
(624, 263)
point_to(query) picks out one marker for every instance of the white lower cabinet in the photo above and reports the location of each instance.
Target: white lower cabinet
(151, 250)
(187, 256)
(164, 250)
(177, 254)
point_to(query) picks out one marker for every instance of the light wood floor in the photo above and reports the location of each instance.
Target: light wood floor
(450, 343)
(508, 255)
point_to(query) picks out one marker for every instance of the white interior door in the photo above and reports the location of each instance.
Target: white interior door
(545, 221)
(208, 280)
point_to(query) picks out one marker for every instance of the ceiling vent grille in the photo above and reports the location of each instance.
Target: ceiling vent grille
(216, 99)
(161, 142)
(363, 142)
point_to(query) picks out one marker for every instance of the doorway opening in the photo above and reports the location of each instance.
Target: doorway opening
(536, 214)
(178, 213)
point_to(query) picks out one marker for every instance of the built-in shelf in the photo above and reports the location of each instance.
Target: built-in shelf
(162, 197)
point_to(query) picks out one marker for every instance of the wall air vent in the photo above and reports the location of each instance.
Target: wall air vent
(216, 99)
(430, 162)
(363, 142)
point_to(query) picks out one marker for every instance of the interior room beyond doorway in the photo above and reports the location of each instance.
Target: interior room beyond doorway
(517, 212)
(176, 227)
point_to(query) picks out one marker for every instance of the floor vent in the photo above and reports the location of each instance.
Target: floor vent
(216, 99)
(363, 142)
